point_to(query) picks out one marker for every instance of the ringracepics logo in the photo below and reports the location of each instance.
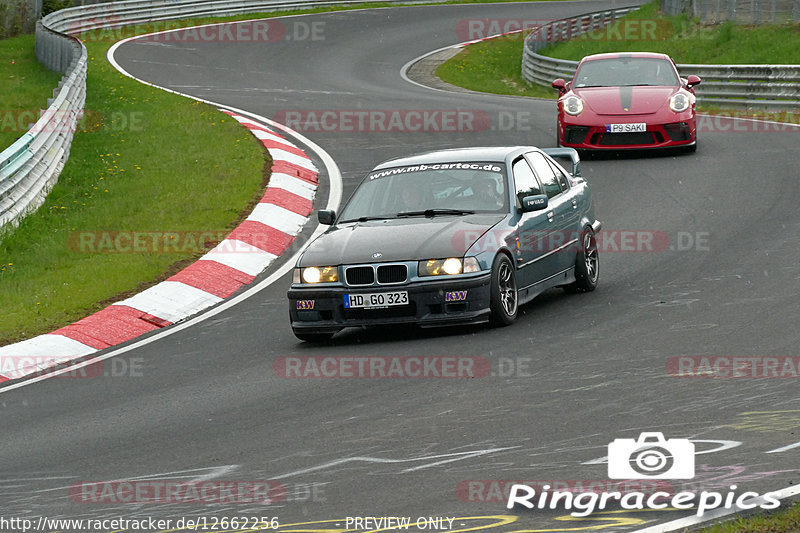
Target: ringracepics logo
(650, 457)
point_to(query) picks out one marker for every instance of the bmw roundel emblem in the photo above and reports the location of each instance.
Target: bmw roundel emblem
(377, 255)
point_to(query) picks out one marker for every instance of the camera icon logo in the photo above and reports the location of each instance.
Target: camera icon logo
(651, 457)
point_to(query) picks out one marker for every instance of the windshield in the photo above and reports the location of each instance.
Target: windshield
(429, 190)
(626, 71)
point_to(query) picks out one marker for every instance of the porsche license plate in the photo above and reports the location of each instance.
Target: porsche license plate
(375, 300)
(626, 128)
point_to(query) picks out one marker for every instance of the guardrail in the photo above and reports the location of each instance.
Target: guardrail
(763, 87)
(30, 167)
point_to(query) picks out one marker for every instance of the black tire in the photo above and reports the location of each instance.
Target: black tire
(503, 299)
(313, 337)
(587, 264)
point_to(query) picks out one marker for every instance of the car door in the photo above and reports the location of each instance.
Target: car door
(532, 259)
(560, 242)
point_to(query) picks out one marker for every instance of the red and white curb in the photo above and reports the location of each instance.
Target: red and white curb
(263, 236)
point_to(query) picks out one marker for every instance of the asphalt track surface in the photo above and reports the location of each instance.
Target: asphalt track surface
(574, 373)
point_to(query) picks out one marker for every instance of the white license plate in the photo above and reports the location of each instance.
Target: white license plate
(626, 128)
(375, 300)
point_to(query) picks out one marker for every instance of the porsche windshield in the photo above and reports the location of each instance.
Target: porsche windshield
(429, 190)
(626, 71)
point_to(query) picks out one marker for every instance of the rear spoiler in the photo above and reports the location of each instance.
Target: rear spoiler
(566, 152)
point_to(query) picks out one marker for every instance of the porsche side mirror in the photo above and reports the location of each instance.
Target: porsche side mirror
(326, 216)
(693, 80)
(560, 85)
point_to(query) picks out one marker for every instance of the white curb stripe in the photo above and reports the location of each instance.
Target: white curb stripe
(171, 300)
(283, 155)
(241, 256)
(267, 136)
(279, 218)
(292, 184)
(31, 355)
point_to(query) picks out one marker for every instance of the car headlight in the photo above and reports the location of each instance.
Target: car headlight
(573, 105)
(448, 267)
(679, 102)
(325, 274)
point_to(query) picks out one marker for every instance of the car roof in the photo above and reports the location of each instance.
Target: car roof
(617, 55)
(480, 153)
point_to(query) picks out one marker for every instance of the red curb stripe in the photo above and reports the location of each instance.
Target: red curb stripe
(113, 325)
(297, 171)
(213, 277)
(262, 236)
(285, 147)
(3, 378)
(287, 200)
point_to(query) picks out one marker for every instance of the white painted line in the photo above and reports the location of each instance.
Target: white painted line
(292, 184)
(241, 256)
(278, 217)
(171, 300)
(694, 520)
(785, 448)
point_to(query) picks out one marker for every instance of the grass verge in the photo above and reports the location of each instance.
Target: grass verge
(25, 85)
(143, 161)
(784, 521)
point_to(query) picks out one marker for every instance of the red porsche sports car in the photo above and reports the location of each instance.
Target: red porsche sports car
(625, 101)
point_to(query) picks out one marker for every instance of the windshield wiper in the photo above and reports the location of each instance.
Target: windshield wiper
(365, 219)
(434, 212)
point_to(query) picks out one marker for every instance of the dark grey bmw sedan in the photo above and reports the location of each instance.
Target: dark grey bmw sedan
(447, 237)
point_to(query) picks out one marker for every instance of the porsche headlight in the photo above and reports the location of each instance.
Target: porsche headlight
(324, 274)
(679, 102)
(448, 267)
(573, 105)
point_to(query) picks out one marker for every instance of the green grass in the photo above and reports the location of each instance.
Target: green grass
(25, 86)
(784, 521)
(686, 41)
(492, 66)
(145, 160)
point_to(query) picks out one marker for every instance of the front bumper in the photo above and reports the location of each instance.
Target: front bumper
(427, 305)
(595, 137)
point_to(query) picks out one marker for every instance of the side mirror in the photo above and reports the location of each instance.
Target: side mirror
(693, 80)
(536, 202)
(560, 85)
(326, 216)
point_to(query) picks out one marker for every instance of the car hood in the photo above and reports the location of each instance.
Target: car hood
(639, 100)
(403, 239)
